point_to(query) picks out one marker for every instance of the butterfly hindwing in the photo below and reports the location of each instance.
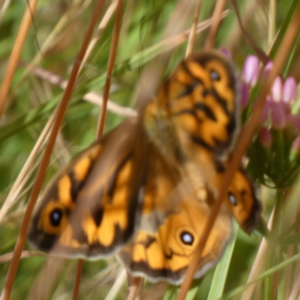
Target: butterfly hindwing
(242, 202)
(163, 247)
(166, 253)
(172, 220)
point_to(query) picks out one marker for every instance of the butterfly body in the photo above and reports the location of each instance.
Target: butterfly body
(145, 189)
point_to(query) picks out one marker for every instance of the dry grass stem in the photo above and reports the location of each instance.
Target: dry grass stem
(295, 289)
(135, 288)
(219, 8)
(236, 36)
(192, 35)
(8, 256)
(77, 279)
(4, 6)
(259, 262)
(272, 21)
(91, 97)
(26, 170)
(14, 216)
(106, 18)
(111, 62)
(171, 41)
(16, 52)
(259, 52)
(121, 278)
(73, 12)
(179, 17)
(176, 39)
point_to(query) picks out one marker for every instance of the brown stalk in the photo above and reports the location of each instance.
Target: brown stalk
(295, 289)
(16, 52)
(219, 7)
(12, 271)
(100, 129)
(235, 34)
(192, 35)
(272, 21)
(47, 277)
(134, 287)
(111, 62)
(245, 140)
(260, 53)
(106, 18)
(77, 279)
(127, 17)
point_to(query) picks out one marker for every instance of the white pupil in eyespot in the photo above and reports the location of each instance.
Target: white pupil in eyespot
(187, 238)
(232, 199)
(214, 75)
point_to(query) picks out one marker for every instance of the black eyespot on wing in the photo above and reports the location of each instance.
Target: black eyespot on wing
(232, 199)
(55, 217)
(187, 238)
(214, 75)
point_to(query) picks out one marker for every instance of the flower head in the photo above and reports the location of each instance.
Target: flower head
(289, 92)
(250, 70)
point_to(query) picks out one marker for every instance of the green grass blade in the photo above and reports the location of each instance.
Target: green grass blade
(220, 275)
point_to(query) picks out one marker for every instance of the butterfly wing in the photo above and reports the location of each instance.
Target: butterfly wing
(242, 202)
(173, 218)
(166, 253)
(92, 207)
(199, 103)
(198, 107)
(172, 221)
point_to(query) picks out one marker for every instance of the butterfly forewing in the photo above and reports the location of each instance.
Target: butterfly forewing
(195, 120)
(92, 207)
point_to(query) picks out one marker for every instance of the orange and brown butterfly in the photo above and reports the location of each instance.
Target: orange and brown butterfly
(144, 190)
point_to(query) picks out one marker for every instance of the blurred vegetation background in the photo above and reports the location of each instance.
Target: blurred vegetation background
(52, 44)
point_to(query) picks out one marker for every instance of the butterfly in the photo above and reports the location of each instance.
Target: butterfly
(144, 190)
